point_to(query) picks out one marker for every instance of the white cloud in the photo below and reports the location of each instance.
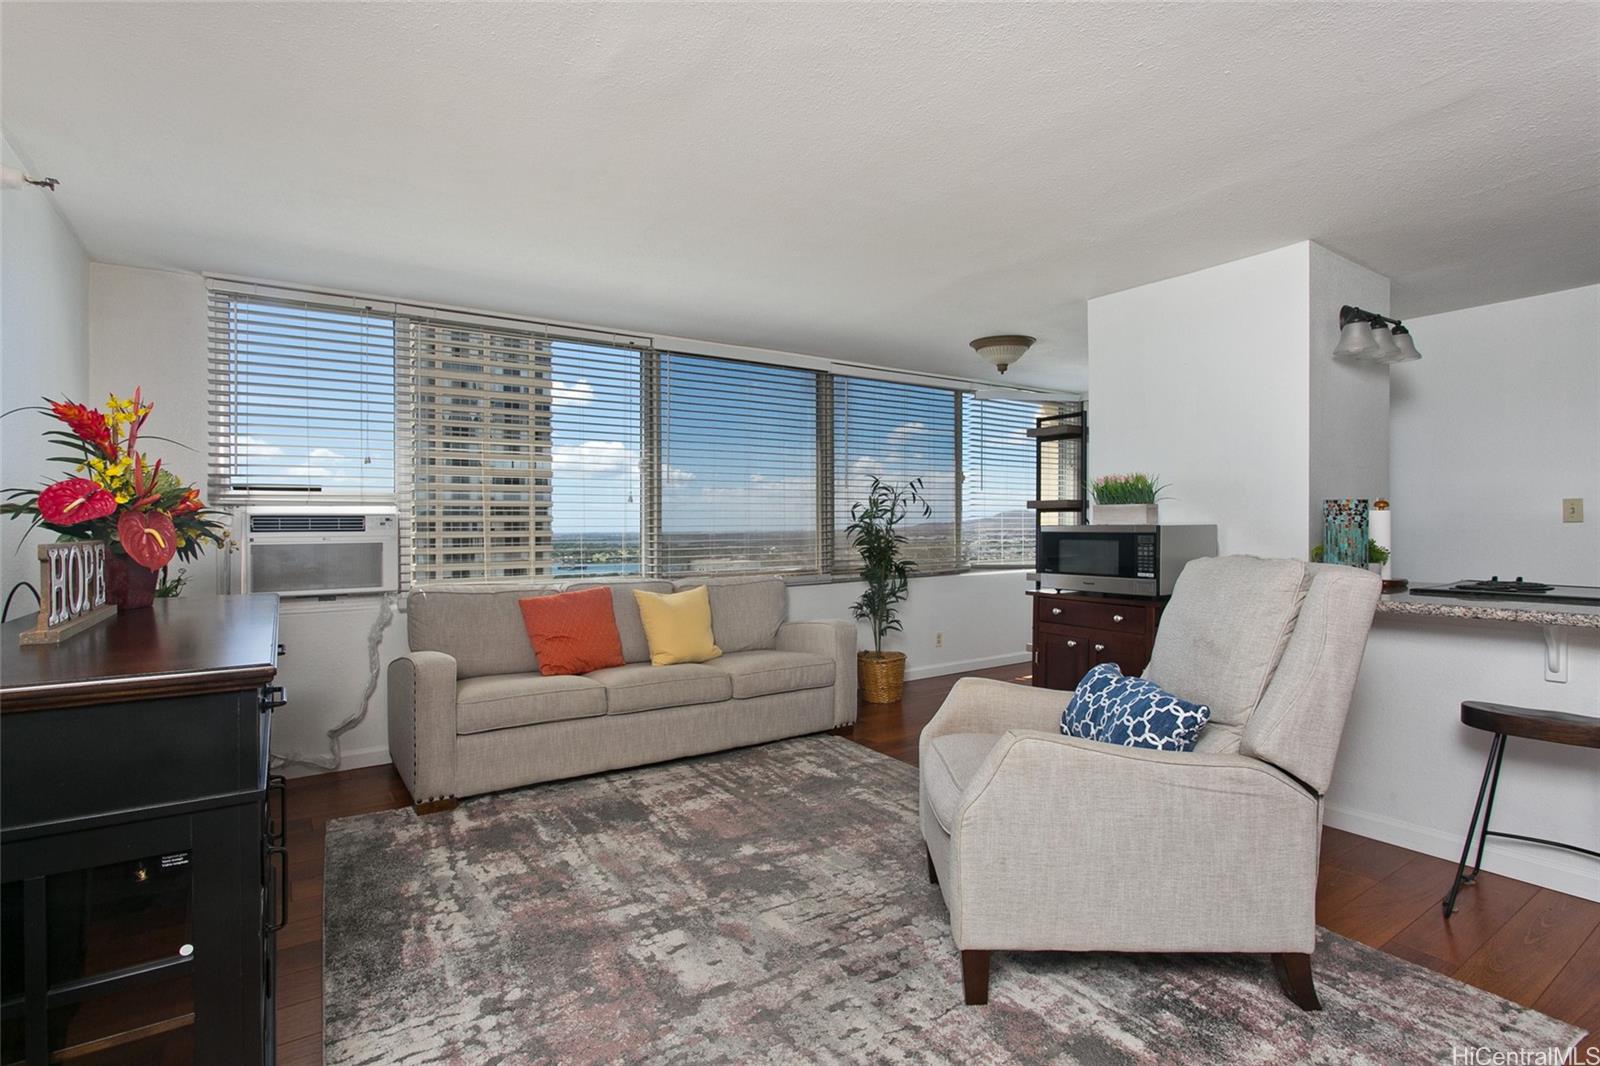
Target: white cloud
(604, 458)
(578, 394)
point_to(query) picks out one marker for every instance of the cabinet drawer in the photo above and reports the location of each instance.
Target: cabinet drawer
(1120, 618)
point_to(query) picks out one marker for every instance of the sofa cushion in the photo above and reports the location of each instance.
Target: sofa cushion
(572, 632)
(953, 759)
(745, 611)
(1224, 631)
(480, 628)
(761, 673)
(678, 626)
(642, 687)
(508, 700)
(635, 649)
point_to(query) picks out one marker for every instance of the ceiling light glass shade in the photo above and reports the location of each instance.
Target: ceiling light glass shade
(1002, 351)
(1356, 342)
(1387, 348)
(1407, 347)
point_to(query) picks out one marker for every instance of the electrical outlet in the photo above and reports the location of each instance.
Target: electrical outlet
(938, 640)
(1572, 509)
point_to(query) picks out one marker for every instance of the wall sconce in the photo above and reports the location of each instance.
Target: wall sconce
(1367, 336)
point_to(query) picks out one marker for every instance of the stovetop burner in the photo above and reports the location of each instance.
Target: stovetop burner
(1519, 589)
(1494, 584)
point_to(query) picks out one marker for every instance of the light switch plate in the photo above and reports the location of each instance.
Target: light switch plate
(1572, 509)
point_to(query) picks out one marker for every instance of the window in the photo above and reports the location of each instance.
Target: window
(527, 454)
(738, 483)
(998, 477)
(303, 401)
(515, 450)
(898, 432)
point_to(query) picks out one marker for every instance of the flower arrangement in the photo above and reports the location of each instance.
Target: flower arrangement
(116, 494)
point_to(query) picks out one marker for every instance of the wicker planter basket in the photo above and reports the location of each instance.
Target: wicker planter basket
(882, 676)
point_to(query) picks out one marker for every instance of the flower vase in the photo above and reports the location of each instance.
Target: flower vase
(128, 585)
(1344, 532)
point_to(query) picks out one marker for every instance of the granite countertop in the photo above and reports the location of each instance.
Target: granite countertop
(1532, 613)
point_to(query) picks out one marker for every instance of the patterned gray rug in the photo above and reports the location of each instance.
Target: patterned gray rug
(771, 905)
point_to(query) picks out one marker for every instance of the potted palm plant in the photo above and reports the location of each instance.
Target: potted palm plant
(873, 532)
(1126, 499)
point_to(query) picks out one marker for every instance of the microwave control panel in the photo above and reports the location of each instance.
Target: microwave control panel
(1145, 551)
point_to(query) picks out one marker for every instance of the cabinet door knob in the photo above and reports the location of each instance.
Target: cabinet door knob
(1116, 618)
(1072, 644)
(1055, 610)
(1099, 647)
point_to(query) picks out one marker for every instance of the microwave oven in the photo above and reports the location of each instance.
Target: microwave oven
(1123, 560)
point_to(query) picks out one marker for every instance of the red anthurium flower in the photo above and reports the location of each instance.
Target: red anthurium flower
(75, 500)
(88, 424)
(149, 538)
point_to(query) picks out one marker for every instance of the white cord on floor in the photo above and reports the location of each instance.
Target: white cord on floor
(331, 760)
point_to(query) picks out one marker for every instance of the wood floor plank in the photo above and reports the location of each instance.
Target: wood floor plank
(1530, 951)
(1368, 890)
(1482, 910)
(1379, 913)
(1575, 993)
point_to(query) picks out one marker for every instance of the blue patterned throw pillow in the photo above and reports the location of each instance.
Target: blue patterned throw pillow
(1132, 712)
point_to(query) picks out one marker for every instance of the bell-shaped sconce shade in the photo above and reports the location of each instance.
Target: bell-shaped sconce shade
(1387, 348)
(1356, 342)
(1407, 347)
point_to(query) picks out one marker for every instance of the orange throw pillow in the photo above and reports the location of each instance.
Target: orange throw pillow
(572, 632)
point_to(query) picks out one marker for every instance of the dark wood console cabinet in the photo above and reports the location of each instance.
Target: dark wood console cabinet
(1073, 631)
(141, 839)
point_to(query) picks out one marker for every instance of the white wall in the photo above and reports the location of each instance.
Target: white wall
(1497, 422)
(1202, 380)
(44, 351)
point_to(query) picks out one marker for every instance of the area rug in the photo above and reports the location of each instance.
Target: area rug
(772, 905)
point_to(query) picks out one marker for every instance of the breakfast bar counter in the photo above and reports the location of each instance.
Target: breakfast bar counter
(1484, 610)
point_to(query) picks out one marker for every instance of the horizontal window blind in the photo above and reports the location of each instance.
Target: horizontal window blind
(595, 499)
(998, 467)
(738, 467)
(898, 432)
(304, 401)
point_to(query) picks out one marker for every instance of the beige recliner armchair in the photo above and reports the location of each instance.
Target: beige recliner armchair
(1042, 842)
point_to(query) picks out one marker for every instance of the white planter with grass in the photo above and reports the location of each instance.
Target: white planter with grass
(1125, 500)
(1124, 514)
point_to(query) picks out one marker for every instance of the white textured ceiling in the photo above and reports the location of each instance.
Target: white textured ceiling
(876, 183)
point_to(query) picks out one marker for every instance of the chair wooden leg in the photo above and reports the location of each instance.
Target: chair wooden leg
(933, 875)
(438, 806)
(975, 977)
(1294, 974)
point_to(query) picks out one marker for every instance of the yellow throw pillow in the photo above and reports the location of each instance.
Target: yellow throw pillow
(677, 625)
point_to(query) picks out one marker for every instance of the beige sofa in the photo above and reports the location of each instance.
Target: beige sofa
(469, 711)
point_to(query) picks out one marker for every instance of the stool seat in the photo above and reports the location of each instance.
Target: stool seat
(1553, 727)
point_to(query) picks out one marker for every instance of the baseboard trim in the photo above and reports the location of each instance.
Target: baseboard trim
(964, 665)
(1509, 858)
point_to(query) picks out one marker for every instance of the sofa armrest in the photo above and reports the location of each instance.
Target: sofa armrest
(1227, 843)
(835, 638)
(422, 723)
(984, 705)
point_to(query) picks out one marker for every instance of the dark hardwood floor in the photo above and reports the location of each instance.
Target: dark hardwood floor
(1528, 944)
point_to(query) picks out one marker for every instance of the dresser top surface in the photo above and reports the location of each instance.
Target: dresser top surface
(179, 646)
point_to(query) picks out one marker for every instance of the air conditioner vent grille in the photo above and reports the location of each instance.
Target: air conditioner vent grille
(308, 523)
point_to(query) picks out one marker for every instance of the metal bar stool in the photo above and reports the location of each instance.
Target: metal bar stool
(1554, 727)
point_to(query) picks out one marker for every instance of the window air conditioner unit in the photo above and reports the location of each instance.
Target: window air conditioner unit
(323, 551)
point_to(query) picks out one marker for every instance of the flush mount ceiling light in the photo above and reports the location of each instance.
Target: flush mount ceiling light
(1367, 336)
(1002, 350)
